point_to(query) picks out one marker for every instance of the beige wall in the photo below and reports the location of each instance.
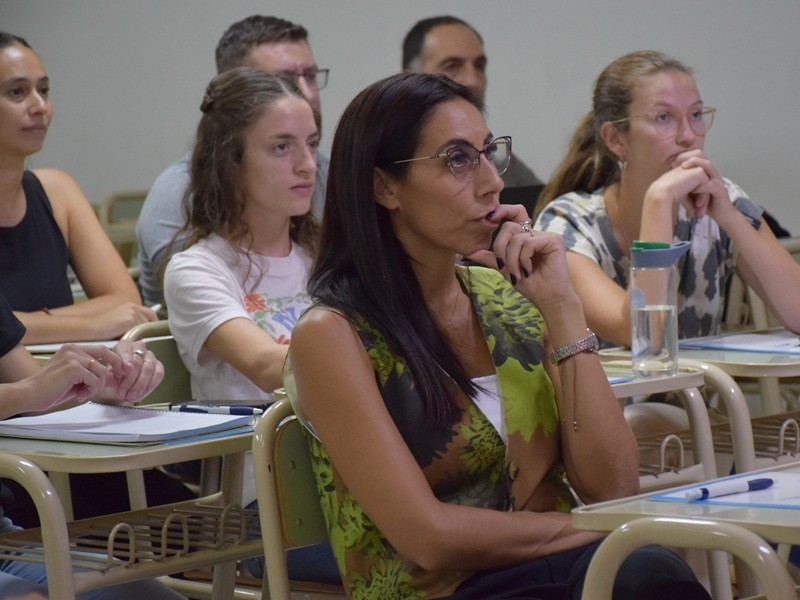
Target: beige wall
(128, 75)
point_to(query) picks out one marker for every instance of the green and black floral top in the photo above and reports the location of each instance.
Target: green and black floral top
(467, 463)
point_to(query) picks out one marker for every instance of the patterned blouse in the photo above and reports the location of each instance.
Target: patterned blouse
(704, 270)
(466, 463)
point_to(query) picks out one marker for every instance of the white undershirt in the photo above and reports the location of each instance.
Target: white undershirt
(489, 402)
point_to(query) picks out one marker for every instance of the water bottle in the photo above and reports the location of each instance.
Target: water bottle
(654, 307)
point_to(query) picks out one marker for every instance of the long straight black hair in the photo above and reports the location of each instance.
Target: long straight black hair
(362, 269)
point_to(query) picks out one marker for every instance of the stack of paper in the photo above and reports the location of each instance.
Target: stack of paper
(92, 422)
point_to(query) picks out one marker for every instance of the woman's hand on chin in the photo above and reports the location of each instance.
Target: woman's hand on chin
(502, 214)
(535, 263)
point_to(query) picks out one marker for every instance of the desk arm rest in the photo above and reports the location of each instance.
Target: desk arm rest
(686, 533)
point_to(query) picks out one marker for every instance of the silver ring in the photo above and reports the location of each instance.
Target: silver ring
(139, 353)
(527, 226)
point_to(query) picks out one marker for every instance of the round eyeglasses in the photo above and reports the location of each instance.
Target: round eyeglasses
(667, 123)
(464, 159)
(315, 78)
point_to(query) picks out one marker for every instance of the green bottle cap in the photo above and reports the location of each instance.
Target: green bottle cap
(656, 254)
(643, 245)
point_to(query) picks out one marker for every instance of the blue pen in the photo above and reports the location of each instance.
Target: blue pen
(216, 410)
(726, 488)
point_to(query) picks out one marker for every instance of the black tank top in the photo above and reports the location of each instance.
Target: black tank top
(34, 255)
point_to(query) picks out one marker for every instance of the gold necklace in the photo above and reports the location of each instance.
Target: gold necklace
(455, 305)
(453, 311)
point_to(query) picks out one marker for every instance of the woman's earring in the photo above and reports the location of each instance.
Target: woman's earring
(622, 164)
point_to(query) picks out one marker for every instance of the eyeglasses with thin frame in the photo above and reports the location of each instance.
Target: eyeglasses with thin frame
(464, 159)
(667, 122)
(317, 79)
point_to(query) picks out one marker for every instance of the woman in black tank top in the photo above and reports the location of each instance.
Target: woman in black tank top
(46, 225)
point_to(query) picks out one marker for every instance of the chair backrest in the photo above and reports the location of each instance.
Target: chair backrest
(150, 329)
(288, 501)
(176, 386)
(118, 214)
(745, 309)
(738, 313)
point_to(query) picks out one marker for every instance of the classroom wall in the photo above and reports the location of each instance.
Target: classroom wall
(128, 75)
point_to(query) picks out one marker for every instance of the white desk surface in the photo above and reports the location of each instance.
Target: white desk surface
(779, 525)
(60, 458)
(50, 349)
(736, 363)
(741, 363)
(84, 457)
(641, 386)
(765, 366)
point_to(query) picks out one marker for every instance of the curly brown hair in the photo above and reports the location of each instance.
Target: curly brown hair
(213, 203)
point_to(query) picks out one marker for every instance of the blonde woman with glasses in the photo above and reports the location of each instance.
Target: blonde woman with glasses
(636, 169)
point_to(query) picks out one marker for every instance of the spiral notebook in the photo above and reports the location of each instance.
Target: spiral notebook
(107, 424)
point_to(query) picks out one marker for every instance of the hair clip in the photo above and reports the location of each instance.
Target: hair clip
(207, 104)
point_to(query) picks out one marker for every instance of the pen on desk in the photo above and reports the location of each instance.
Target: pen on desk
(789, 343)
(726, 488)
(216, 410)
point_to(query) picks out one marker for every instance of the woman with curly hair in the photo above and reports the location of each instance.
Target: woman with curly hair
(239, 286)
(236, 291)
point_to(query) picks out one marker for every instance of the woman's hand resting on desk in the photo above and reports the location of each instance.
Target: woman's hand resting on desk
(113, 323)
(83, 372)
(83, 322)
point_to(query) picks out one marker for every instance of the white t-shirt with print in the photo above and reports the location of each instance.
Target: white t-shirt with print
(204, 287)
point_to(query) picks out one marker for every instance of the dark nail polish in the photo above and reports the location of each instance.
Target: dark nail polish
(513, 278)
(524, 272)
(500, 263)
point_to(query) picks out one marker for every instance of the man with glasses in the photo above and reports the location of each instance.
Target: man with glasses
(268, 43)
(450, 46)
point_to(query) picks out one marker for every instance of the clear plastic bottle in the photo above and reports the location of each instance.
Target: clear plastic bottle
(654, 307)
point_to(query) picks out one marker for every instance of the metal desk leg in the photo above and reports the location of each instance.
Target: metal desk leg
(210, 474)
(700, 428)
(770, 390)
(57, 559)
(60, 482)
(231, 486)
(136, 492)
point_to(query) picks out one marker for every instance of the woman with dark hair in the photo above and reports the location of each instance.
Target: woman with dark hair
(636, 169)
(443, 440)
(46, 224)
(236, 291)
